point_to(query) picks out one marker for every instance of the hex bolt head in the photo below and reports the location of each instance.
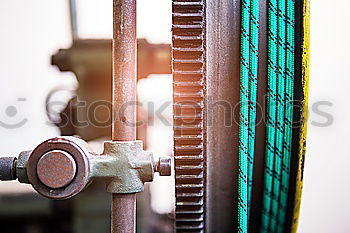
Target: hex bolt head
(163, 166)
(8, 168)
(56, 169)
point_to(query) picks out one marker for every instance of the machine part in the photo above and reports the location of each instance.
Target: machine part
(124, 102)
(125, 204)
(206, 199)
(205, 35)
(21, 167)
(223, 20)
(49, 181)
(221, 27)
(163, 166)
(56, 169)
(62, 167)
(124, 165)
(124, 70)
(8, 168)
(189, 108)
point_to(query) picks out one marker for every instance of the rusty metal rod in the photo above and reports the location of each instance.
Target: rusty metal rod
(124, 102)
(124, 70)
(123, 213)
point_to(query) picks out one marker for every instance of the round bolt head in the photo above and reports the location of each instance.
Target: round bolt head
(56, 169)
(164, 166)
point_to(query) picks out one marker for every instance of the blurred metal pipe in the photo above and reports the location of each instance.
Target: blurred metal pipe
(73, 19)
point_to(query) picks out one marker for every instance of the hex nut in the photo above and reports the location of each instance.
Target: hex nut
(21, 167)
(7, 168)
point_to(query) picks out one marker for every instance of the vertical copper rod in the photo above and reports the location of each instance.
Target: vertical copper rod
(123, 213)
(124, 70)
(124, 102)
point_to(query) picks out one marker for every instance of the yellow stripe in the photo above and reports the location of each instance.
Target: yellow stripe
(303, 130)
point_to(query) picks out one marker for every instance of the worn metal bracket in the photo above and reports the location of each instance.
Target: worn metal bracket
(124, 165)
(62, 167)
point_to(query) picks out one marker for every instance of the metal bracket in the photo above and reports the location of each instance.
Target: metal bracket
(62, 167)
(124, 165)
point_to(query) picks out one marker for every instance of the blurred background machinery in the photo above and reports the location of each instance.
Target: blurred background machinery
(91, 62)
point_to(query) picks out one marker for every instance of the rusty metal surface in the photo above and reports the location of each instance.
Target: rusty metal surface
(124, 70)
(7, 168)
(56, 169)
(53, 166)
(189, 81)
(123, 218)
(76, 148)
(123, 206)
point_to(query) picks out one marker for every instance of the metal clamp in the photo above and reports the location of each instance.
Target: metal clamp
(62, 167)
(124, 165)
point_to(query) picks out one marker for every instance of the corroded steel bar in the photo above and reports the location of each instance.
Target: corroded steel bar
(124, 70)
(124, 102)
(123, 213)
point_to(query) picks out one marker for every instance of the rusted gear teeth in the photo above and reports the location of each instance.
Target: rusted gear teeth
(189, 103)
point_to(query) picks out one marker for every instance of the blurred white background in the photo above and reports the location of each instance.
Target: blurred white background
(32, 30)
